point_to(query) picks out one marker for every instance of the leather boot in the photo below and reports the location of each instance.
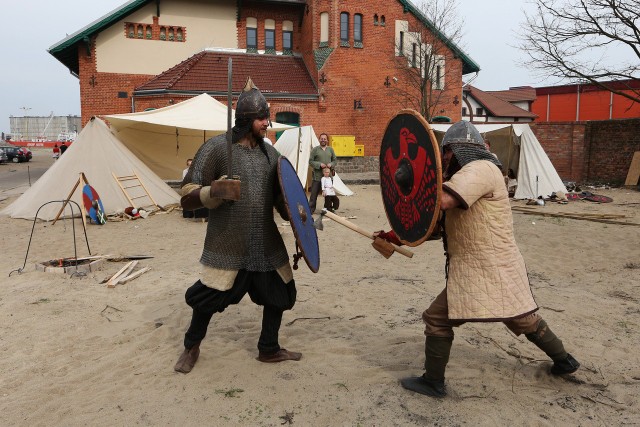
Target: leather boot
(431, 383)
(187, 359)
(547, 341)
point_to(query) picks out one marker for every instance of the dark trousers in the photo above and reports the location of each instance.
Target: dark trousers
(266, 289)
(313, 197)
(331, 203)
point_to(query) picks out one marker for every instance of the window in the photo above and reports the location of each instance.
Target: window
(252, 33)
(287, 36)
(382, 20)
(439, 85)
(148, 31)
(270, 35)
(479, 111)
(344, 27)
(401, 43)
(464, 111)
(414, 56)
(375, 19)
(324, 29)
(357, 28)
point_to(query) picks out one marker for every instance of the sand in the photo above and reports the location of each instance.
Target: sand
(75, 352)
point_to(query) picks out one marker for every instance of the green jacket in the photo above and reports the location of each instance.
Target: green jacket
(319, 156)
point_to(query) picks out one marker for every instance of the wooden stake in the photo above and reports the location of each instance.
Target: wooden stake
(114, 279)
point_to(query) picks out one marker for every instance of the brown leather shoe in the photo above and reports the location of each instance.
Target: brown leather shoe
(188, 359)
(279, 356)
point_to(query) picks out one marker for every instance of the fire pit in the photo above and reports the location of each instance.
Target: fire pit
(70, 265)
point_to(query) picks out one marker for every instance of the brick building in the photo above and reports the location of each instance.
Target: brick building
(331, 64)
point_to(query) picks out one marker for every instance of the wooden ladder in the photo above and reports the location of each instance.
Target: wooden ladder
(134, 189)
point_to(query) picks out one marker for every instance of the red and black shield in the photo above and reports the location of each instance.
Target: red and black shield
(410, 177)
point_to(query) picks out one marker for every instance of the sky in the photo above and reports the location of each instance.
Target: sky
(34, 83)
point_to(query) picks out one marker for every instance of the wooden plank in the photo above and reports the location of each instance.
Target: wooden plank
(112, 282)
(633, 176)
(583, 218)
(134, 275)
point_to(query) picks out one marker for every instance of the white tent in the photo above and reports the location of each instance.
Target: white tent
(97, 153)
(296, 145)
(518, 148)
(165, 138)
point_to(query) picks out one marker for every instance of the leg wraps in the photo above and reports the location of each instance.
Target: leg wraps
(548, 342)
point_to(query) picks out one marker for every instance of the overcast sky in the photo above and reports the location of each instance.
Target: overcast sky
(34, 79)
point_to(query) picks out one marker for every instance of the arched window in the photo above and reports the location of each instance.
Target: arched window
(252, 33)
(131, 31)
(287, 36)
(324, 29)
(270, 35)
(382, 20)
(375, 19)
(357, 29)
(139, 31)
(171, 38)
(344, 28)
(148, 31)
(179, 35)
(163, 33)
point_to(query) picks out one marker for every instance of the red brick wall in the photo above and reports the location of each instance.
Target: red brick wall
(351, 73)
(595, 151)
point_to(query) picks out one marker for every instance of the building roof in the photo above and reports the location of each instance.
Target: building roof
(65, 50)
(515, 94)
(276, 76)
(630, 84)
(496, 106)
(468, 64)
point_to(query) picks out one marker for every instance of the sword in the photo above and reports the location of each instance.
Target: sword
(229, 188)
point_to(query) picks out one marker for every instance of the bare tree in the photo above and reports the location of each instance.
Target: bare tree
(572, 39)
(424, 57)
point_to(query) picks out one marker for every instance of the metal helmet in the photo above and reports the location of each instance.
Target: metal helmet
(251, 103)
(467, 144)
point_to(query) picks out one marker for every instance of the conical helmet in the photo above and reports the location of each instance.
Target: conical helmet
(251, 103)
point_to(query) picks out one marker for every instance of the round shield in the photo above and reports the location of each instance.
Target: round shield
(410, 177)
(299, 213)
(93, 204)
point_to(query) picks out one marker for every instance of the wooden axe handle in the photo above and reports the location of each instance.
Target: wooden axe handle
(366, 233)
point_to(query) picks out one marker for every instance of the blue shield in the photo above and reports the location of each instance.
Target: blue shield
(300, 215)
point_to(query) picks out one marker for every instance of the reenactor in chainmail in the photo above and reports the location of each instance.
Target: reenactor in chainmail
(243, 249)
(486, 278)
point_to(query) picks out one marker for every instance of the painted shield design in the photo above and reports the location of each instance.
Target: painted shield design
(299, 213)
(410, 177)
(93, 204)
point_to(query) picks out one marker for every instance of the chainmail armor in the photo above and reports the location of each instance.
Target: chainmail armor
(467, 144)
(241, 234)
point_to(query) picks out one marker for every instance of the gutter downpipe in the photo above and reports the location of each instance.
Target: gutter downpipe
(578, 105)
(133, 103)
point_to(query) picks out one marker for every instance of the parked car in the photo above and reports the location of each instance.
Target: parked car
(18, 154)
(3, 156)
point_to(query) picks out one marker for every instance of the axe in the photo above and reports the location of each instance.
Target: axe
(385, 248)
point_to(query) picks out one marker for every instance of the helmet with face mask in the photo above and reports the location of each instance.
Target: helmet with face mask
(467, 145)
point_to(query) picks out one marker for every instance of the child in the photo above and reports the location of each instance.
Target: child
(331, 201)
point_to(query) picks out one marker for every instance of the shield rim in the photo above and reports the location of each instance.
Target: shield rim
(436, 149)
(293, 227)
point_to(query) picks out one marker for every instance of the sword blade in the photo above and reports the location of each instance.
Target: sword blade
(229, 136)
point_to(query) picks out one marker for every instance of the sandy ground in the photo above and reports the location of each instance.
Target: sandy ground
(75, 352)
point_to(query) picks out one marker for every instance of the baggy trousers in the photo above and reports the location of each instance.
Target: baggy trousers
(265, 288)
(438, 324)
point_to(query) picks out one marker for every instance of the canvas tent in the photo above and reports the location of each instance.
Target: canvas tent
(165, 138)
(518, 148)
(296, 145)
(97, 153)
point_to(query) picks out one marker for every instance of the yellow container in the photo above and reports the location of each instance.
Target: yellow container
(359, 151)
(343, 145)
